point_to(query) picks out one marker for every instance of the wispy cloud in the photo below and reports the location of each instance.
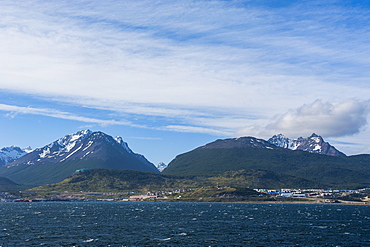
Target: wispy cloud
(203, 66)
(14, 110)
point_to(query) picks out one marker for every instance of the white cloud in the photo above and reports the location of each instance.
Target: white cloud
(15, 110)
(324, 118)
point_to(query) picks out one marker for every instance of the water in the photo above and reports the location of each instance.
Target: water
(182, 224)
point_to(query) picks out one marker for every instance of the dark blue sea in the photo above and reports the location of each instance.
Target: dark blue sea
(182, 224)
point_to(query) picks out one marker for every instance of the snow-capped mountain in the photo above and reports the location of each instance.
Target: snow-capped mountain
(161, 166)
(10, 154)
(81, 145)
(312, 144)
(84, 149)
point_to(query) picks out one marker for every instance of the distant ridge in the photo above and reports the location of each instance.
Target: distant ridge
(312, 144)
(10, 154)
(241, 142)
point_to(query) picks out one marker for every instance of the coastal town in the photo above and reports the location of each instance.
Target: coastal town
(360, 196)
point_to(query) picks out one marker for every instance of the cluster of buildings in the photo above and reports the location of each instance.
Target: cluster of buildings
(155, 195)
(309, 192)
(100, 196)
(5, 196)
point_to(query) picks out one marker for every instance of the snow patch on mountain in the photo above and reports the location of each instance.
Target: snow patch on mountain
(69, 155)
(63, 146)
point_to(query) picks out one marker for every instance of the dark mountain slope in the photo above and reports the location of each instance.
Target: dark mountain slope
(213, 159)
(6, 185)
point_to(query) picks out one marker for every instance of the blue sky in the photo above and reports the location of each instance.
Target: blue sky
(169, 76)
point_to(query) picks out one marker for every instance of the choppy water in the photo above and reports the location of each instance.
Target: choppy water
(182, 224)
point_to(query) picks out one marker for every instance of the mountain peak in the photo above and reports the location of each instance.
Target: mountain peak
(281, 141)
(314, 135)
(312, 144)
(119, 139)
(28, 149)
(78, 146)
(161, 166)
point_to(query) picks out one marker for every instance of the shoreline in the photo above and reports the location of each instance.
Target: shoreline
(308, 202)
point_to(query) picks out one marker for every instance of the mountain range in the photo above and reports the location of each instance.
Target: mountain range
(253, 162)
(82, 150)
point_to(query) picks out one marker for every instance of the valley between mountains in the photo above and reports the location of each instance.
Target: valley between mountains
(95, 161)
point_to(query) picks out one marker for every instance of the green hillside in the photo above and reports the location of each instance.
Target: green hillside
(261, 179)
(332, 171)
(101, 180)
